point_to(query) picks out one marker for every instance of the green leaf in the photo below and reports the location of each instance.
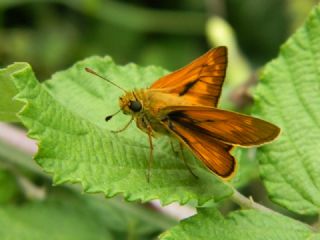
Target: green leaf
(288, 95)
(66, 115)
(238, 225)
(8, 107)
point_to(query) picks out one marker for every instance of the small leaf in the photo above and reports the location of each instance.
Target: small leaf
(238, 225)
(66, 114)
(288, 95)
(8, 107)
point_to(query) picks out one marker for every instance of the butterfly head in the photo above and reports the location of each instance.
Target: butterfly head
(130, 104)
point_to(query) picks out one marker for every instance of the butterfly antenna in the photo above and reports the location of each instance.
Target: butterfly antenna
(111, 116)
(89, 70)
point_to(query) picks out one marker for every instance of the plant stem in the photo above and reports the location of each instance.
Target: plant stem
(248, 203)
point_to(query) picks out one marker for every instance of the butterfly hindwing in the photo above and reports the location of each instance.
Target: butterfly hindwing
(201, 81)
(214, 154)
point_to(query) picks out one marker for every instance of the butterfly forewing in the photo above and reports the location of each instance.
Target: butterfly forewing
(224, 126)
(201, 81)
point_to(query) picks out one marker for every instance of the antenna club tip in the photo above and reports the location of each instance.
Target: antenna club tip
(108, 118)
(88, 70)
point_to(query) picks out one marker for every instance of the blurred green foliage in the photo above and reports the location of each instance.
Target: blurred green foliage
(53, 34)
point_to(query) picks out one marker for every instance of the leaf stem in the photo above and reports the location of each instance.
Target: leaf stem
(248, 203)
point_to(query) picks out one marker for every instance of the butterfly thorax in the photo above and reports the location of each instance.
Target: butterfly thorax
(148, 108)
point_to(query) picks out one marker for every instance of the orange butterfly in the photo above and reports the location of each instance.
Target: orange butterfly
(183, 104)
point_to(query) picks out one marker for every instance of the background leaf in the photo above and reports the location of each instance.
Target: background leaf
(66, 115)
(238, 225)
(288, 95)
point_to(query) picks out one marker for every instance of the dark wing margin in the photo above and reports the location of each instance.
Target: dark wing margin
(199, 82)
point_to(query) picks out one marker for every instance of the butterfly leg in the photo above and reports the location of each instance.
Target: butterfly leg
(185, 161)
(145, 126)
(151, 153)
(124, 128)
(172, 147)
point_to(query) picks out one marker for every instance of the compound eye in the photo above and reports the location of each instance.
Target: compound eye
(135, 106)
